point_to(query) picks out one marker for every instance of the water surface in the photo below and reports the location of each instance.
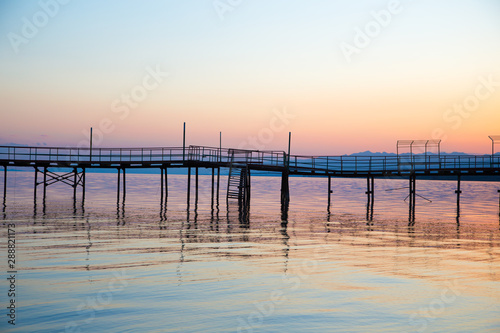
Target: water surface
(143, 266)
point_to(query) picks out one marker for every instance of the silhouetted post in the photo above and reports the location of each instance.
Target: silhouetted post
(83, 186)
(458, 191)
(220, 146)
(166, 185)
(189, 186)
(196, 185)
(90, 145)
(124, 186)
(75, 183)
(218, 183)
(161, 185)
(4, 184)
(36, 183)
(498, 203)
(213, 185)
(285, 189)
(118, 188)
(285, 194)
(289, 145)
(184, 143)
(412, 198)
(44, 182)
(329, 190)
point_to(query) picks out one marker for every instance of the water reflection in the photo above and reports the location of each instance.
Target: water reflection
(182, 259)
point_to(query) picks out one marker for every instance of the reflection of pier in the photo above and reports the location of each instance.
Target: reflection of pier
(240, 163)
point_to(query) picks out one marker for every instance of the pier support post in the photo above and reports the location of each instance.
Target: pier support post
(83, 186)
(124, 186)
(36, 184)
(75, 183)
(189, 187)
(118, 188)
(4, 184)
(370, 192)
(458, 191)
(161, 185)
(498, 203)
(213, 185)
(285, 190)
(44, 182)
(412, 197)
(218, 185)
(166, 185)
(329, 191)
(196, 186)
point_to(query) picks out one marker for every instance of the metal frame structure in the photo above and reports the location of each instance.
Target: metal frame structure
(426, 144)
(495, 139)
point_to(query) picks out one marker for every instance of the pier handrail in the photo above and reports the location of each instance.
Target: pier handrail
(264, 158)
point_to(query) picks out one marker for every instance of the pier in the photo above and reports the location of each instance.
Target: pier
(241, 163)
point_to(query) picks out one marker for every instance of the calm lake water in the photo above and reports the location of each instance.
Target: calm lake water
(144, 267)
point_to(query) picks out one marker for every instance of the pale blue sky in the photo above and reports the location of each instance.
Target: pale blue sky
(227, 75)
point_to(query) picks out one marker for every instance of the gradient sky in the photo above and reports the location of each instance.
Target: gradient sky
(234, 65)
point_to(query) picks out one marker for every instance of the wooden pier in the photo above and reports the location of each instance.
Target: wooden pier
(240, 164)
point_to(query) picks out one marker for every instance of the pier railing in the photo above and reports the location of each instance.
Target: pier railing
(402, 163)
(61, 154)
(238, 156)
(271, 159)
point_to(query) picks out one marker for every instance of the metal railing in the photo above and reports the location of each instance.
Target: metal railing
(297, 163)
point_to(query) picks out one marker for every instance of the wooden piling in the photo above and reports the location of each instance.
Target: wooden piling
(329, 191)
(118, 188)
(75, 183)
(124, 186)
(285, 189)
(83, 186)
(4, 184)
(212, 196)
(189, 186)
(44, 182)
(218, 184)
(458, 191)
(161, 185)
(196, 185)
(36, 183)
(166, 185)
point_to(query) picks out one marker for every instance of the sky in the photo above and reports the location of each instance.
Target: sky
(341, 76)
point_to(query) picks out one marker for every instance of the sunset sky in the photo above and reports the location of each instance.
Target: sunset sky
(342, 76)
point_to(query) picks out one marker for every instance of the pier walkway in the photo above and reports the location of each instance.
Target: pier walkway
(240, 163)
